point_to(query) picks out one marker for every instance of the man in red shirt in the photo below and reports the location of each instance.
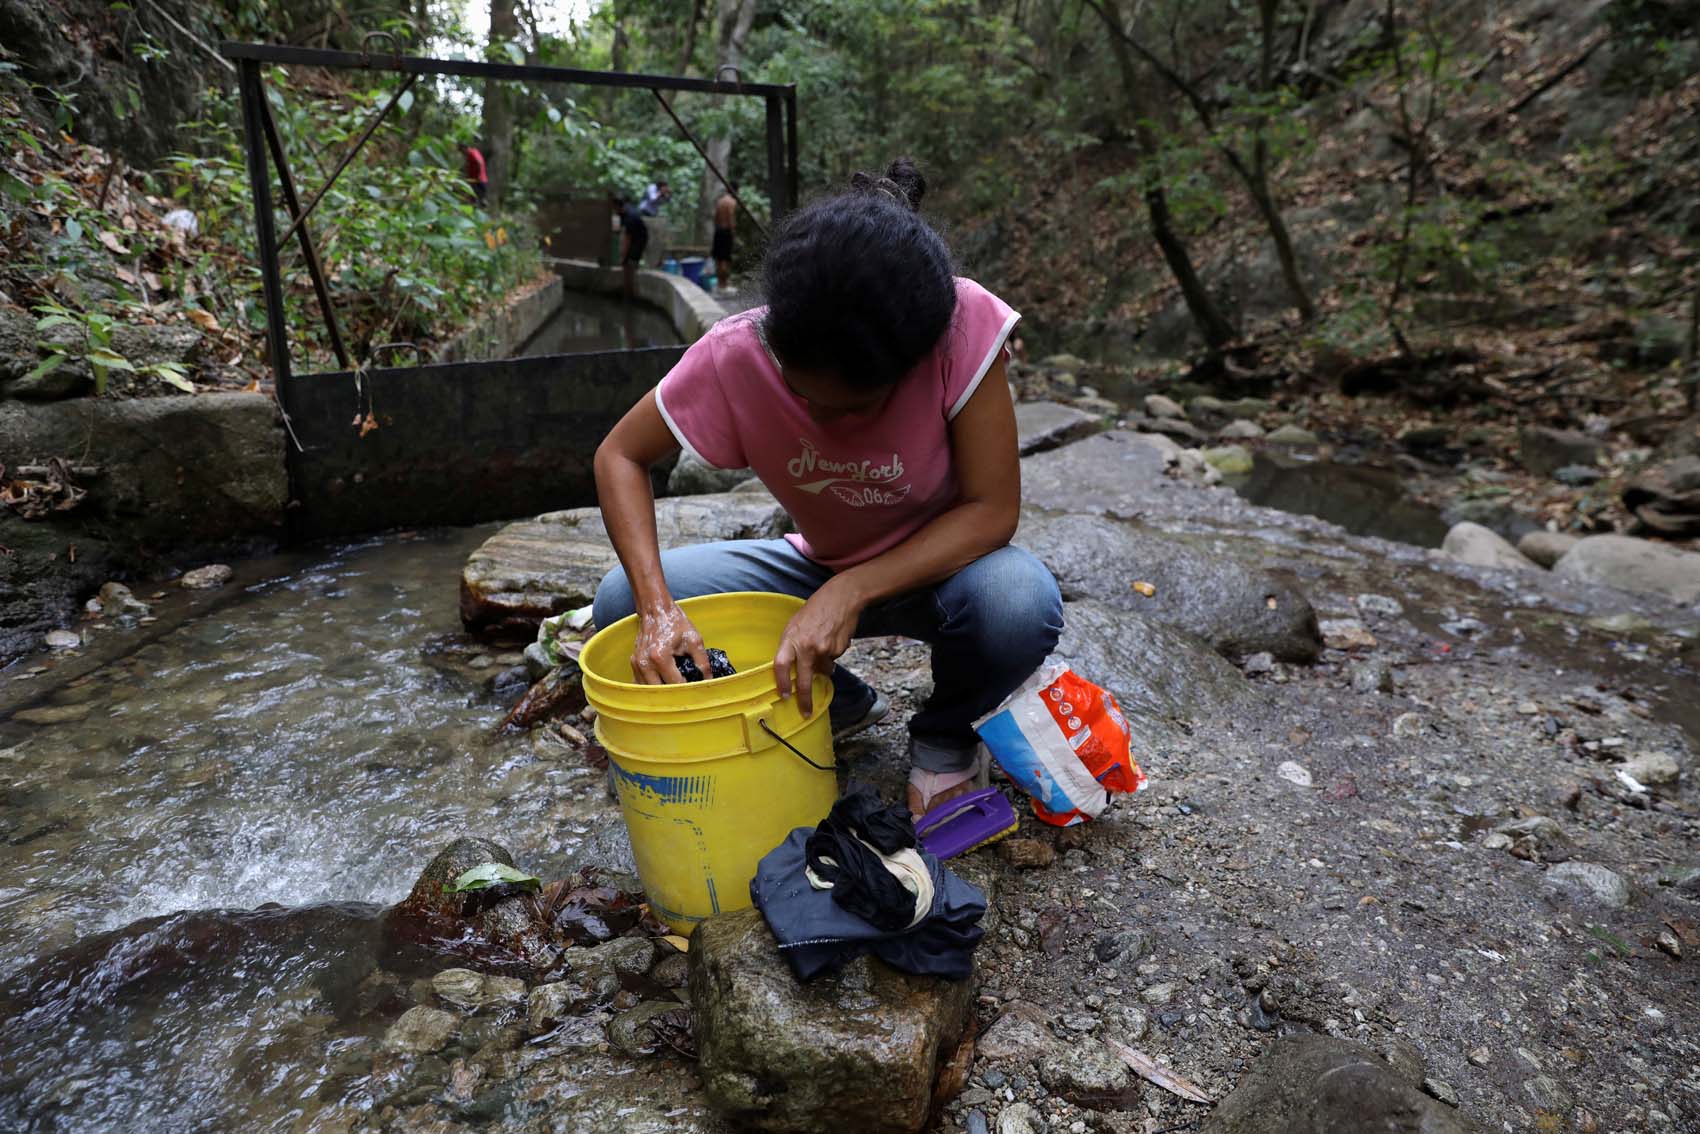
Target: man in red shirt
(476, 174)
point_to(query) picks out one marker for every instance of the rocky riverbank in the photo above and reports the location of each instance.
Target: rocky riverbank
(1436, 810)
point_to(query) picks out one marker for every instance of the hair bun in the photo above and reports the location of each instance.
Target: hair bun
(902, 182)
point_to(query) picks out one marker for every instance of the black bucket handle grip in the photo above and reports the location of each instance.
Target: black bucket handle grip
(767, 728)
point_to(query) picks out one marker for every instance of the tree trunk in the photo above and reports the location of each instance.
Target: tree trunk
(498, 107)
(734, 20)
(1206, 315)
(687, 54)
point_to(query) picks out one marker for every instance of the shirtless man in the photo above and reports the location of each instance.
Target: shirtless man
(725, 216)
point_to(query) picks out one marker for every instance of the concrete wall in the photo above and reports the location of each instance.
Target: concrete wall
(175, 476)
(692, 309)
(500, 333)
(461, 443)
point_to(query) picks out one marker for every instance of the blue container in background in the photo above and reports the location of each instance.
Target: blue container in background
(670, 266)
(692, 266)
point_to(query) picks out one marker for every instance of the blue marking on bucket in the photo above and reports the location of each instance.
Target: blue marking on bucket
(669, 789)
(713, 898)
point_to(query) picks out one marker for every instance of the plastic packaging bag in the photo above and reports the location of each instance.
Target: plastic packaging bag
(1064, 741)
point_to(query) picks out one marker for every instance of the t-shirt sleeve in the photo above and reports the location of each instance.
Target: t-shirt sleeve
(978, 334)
(693, 403)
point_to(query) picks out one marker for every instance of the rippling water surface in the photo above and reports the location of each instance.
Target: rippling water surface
(295, 747)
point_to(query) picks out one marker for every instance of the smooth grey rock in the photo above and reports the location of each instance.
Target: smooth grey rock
(422, 1029)
(632, 1031)
(535, 568)
(1373, 675)
(206, 578)
(1476, 545)
(691, 477)
(629, 956)
(1652, 769)
(1020, 1118)
(1237, 610)
(462, 988)
(1292, 435)
(1537, 838)
(1160, 675)
(550, 1004)
(1040, 426)
(1380, 606)
(1578, 475)
(1633, 565)
(855, 1050)
(1666, 497)
(1019, 1034)
(1547, 548)
(1240, 430)
(1207, 412)
(1494, 513)
(1543, 450)
(1160, 406)
(1591, 880)
(1245, 409)
(1319, 1085)
(1229, 460)
(504, 991)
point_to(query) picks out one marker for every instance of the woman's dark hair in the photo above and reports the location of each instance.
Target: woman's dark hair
(859, 285)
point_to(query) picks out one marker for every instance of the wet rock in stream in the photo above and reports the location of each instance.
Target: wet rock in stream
(502, 933)
(857, 1050)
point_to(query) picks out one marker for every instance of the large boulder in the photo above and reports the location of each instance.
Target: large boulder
(1666, 497)
(1317, 1085)
(1476, 545)
(1634, 565)
(1045, 425)
(855, 1051)
(691, 477)
(1159, 674)
(1237, 610)
(535, 568)
(1546, 548)
(1544, 450)
(491, 931)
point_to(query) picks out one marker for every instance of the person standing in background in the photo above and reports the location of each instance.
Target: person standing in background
(634, 236)
(655, 197)
(725, 217)
(477, 175)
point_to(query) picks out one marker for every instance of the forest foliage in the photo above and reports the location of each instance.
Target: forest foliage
(1111, 163)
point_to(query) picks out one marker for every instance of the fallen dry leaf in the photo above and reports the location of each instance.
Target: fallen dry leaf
(114, 244)
(205, 320)
(1145, 589)
(1153, 1072)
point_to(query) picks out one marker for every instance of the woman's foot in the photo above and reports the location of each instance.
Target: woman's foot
(929, 789)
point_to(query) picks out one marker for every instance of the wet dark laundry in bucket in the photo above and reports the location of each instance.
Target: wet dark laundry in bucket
(718, 666)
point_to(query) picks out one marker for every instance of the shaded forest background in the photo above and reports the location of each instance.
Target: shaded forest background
(1486, 212)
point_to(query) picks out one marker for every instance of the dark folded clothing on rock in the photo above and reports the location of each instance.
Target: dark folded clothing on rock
(816, 920)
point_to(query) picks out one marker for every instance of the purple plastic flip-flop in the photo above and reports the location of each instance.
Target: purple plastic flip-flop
(966, 822)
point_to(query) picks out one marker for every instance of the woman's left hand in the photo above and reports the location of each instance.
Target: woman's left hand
(815, 638)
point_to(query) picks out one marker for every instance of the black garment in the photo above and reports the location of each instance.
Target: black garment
(860, 882)
(817, 935)
(632, 221)
(480, 190)
(722, 244)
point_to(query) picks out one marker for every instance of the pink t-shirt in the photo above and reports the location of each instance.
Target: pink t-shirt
(859, 485)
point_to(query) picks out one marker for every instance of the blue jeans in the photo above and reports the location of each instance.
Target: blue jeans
(990, 625)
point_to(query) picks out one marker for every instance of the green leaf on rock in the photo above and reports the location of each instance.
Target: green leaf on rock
(487, 874)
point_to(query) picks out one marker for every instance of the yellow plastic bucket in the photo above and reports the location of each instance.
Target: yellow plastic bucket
(705, 785)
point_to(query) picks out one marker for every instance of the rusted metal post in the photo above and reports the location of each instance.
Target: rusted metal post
(286, 181)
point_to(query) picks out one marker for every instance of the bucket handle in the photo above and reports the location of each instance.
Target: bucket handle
(765, 727)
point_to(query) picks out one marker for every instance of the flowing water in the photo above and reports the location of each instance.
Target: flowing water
(296, 746)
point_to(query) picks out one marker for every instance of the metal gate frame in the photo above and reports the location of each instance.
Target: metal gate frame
(261, 135)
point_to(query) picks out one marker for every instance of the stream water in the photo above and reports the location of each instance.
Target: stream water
(293, 747)
(597, 323)
(1364, 500)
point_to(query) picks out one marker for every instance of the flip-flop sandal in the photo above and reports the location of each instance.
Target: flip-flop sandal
(931, 785)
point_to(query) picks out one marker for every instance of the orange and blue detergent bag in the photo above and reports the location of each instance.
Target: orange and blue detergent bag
(1064, 741)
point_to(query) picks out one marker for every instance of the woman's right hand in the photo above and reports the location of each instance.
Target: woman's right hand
(664, 634)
